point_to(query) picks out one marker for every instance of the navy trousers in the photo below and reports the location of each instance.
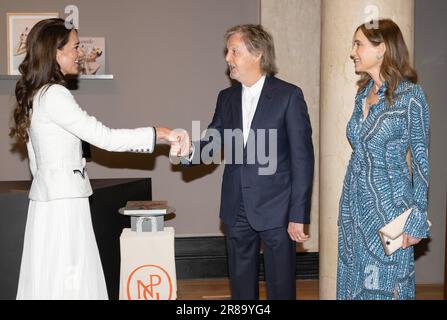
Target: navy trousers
(243, 245)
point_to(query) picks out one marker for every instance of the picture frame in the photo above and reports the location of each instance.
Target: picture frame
(18, 25)
(94, 55)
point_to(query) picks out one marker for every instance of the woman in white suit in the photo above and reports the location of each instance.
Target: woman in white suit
(60, 257)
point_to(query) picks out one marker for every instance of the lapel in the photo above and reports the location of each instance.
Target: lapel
(236, 106)
(261, 109)
(264, 103)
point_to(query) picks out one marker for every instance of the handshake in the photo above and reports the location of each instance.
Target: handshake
(178, 139)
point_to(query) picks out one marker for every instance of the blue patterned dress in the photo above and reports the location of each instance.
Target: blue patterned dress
(377, 188)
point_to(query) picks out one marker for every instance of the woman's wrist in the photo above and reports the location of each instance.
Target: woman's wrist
(162, 133)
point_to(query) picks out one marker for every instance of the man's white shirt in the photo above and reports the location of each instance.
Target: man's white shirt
(250, 99)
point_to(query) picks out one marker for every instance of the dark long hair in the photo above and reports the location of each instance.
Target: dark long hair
(396, 66)
(38, 69)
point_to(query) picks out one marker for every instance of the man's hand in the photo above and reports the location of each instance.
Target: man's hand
(296, 232)
(409, 241)
(180, 143)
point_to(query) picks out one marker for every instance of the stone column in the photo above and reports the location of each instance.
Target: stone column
(296, 26)
(339, 20)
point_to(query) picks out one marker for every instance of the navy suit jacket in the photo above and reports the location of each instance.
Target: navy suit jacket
(270, 201)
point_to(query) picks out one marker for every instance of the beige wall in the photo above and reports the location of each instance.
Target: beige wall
(296, 26)
(167, 59)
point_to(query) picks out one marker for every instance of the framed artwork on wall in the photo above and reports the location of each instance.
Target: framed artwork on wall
(94, 55)
(18, 25)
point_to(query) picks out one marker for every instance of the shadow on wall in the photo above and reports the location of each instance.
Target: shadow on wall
(127, 160)
(422, 248)
(148, 162)
(196, 172)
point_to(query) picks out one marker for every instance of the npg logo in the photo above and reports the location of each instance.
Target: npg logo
(149, 282)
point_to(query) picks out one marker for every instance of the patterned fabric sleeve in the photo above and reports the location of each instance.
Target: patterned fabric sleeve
(418, 116)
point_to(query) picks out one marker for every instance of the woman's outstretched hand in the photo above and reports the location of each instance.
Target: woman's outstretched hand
(177, 138)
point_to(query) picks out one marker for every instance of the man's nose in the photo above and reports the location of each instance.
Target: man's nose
(227, 57)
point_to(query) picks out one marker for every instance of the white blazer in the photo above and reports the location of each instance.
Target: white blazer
(57, 127)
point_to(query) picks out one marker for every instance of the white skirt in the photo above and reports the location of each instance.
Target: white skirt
(60, 256)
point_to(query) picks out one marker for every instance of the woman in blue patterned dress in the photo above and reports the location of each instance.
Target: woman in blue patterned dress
(390, 118)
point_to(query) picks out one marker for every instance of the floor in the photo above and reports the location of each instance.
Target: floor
(218, 289)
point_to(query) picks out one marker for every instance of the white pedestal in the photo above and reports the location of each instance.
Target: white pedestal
(148, 265)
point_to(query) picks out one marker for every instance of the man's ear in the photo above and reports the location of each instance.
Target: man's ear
(258, 57)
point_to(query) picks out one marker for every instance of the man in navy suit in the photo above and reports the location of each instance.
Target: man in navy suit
(261, 202)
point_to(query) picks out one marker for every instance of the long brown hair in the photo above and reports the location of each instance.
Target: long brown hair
(395, 67)
(258, 41)
(38, 69)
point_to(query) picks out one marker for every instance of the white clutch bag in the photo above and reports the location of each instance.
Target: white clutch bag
(392, 233)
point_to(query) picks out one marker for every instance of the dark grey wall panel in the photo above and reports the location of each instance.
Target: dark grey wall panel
(431, 64)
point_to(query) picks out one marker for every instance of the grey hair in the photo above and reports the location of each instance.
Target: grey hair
(258, 41)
